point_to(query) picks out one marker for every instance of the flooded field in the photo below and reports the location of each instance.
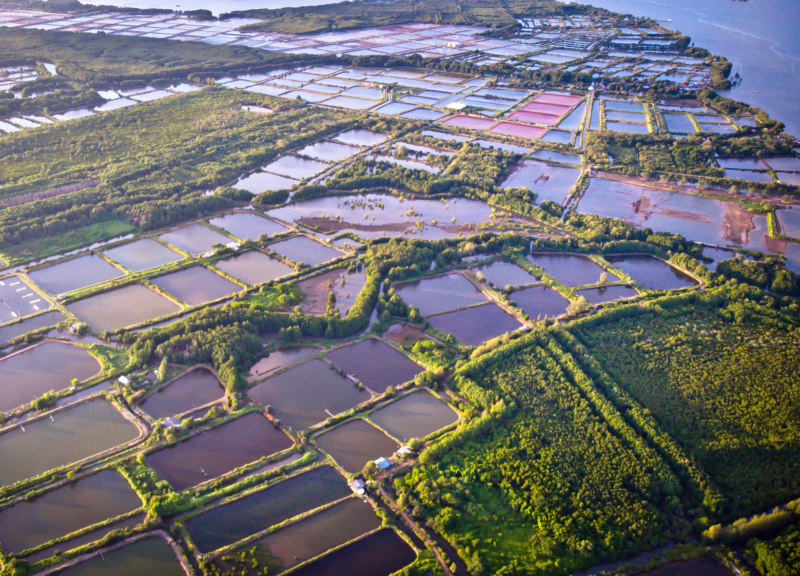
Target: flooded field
(652, 273)
(241, 518)
(75, 274)
(477, 324)
(143, 254)
(279, 359)
(254, 267)
(247, 226)
(11, 331)
(72, 435)
(375, 363)
(51, 366)
(304, 250)
(503, 274)
(195, 388)
(122, 307)
(215, 452)
(319, 287)
(319, 533)
(414, 416)
(64, 510)
(540, 301)
(547, 182)
(376, 215)
(695, 217)
(433, 295)
(355, 443)
(196, 285)
(308, 394)
(195, 239)
(570, 269)
(607, 294)
(379, 554)
(789, 222)
(141, 558)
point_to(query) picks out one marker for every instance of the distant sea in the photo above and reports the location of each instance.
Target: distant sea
(760, 37)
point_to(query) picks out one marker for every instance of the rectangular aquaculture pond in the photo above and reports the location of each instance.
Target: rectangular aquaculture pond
(217, 451)
(195, 238)
(195, 388)
(229, 523)
(433, 295)
(254, 267)
(361, 137)
(145, 557)
(305, 250)
(19, 299)
(71, 507)
(375, 363)
(247, 226)
(607, 294)
(196, 285)
(259, 182)
(122, 307)
(571, 269)
(143, 254)
(279, 359)
(652, 273)
(319, 533)
(355, 443)
(540, 302)
(503, 274)
(415, 415)
(379, 554)
(307, 394)
(27, 375)
(75, 274)
(72, 434)
(477, 324)
(11, 331)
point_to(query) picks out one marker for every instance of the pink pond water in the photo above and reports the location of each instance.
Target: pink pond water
(534, 118)
(558, 98)
(514, 129)
(546, 108)
(471, 122)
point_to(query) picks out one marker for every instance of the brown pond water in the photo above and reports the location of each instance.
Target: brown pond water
(246, 225)
(74, 433)
(652, 273)
(546, 181)
(74, 274)
(196, 388)
(354, 444)
(607, 294)
(503, 274)
(475, 325)
(143, 254)
(27, 375)
(319, 287)
(378, 554)
(93, 536)
(279, 359)
(254, 267)
(196, 285)
(147, 557)
(122, 307)
(195, 238)
(319, 533)
(215, 452)
(305, 250)
(64, 510)
(241, 518)
(307, 394)
(11, 331)
(414, 416)
(570, 269)
(375, 363)
(540, 301)
(433, 295)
